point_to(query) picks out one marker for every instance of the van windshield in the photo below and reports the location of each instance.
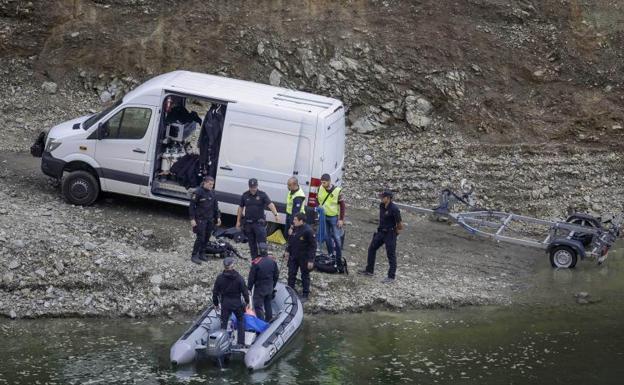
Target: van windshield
(96, 117)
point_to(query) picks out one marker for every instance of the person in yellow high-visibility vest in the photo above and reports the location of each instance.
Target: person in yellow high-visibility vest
(294, 203)
(331, 200)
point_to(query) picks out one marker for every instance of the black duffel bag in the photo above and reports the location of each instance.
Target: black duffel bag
(221, 249)
(327, 264)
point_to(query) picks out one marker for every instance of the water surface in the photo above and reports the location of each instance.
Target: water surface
(545, 339)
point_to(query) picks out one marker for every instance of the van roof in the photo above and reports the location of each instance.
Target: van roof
(233, 90)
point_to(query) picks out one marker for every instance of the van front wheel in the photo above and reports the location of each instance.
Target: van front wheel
(80, 188)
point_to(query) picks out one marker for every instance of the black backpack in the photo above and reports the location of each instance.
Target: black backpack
(327, 264)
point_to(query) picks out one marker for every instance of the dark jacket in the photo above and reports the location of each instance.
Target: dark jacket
(263, 274)
(302, 243)
(182, 115)
(204, 205)
(389, 217)
(254, 205)
(228, 289)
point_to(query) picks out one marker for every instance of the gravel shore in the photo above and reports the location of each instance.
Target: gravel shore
(130, 257)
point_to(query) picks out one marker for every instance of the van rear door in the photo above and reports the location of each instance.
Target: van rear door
(333, 127)
(258, 142)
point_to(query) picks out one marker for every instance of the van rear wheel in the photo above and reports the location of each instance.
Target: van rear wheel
(80, 188)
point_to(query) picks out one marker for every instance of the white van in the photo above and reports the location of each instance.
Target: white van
(263, 132)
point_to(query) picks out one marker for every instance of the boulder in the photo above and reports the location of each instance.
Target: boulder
(365, 125)
(156, 279)
(275, 78)
(106, 97)
(417, 111)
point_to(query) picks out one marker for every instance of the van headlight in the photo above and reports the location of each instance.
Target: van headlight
(52, 145)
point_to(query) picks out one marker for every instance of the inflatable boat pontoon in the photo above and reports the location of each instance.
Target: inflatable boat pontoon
(205, 339)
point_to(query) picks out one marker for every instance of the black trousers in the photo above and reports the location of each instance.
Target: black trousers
(262, 306)
(204, 230)
(287, 224)
(238, 311)
(295, 264)
(256, 233)
(380, 238)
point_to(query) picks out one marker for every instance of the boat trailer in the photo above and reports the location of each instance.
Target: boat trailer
(579, 236)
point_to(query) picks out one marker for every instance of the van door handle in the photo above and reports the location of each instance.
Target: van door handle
(139, 151)
(226, 168)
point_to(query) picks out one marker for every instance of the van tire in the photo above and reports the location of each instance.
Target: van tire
(80, 188)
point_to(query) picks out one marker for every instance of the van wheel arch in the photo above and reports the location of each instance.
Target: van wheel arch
(80, 184)
(78, 165)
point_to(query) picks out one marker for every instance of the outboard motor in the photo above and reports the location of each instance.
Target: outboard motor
(218, 346)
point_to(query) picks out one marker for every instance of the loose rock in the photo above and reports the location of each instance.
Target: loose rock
(49, 87)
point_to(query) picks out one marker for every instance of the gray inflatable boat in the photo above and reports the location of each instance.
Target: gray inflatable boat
(205, 339)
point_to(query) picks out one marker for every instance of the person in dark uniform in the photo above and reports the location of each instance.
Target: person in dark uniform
(254, 203)
(176, 112)
(300, 252)
(262, 279)
(227, 292)
(390, 226)
(204, 213)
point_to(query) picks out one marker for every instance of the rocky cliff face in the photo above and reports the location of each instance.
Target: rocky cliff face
(524, 97)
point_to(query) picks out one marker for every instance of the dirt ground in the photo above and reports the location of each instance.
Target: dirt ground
(131, 256)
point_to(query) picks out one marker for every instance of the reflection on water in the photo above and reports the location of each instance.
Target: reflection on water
(530, 343)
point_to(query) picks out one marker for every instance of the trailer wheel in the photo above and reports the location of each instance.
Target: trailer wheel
(563, 257)
(80, 188)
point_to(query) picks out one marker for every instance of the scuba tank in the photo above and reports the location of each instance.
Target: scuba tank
(166, 163)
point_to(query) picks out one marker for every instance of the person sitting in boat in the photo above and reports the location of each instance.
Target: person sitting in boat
(263, 276)
(227, 292)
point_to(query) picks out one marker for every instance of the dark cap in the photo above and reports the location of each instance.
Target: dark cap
(208, 178)
(325, 177)
(228, 261)
(253, 182)
(387, 193)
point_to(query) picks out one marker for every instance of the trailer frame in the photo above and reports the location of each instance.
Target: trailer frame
(579, 236)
